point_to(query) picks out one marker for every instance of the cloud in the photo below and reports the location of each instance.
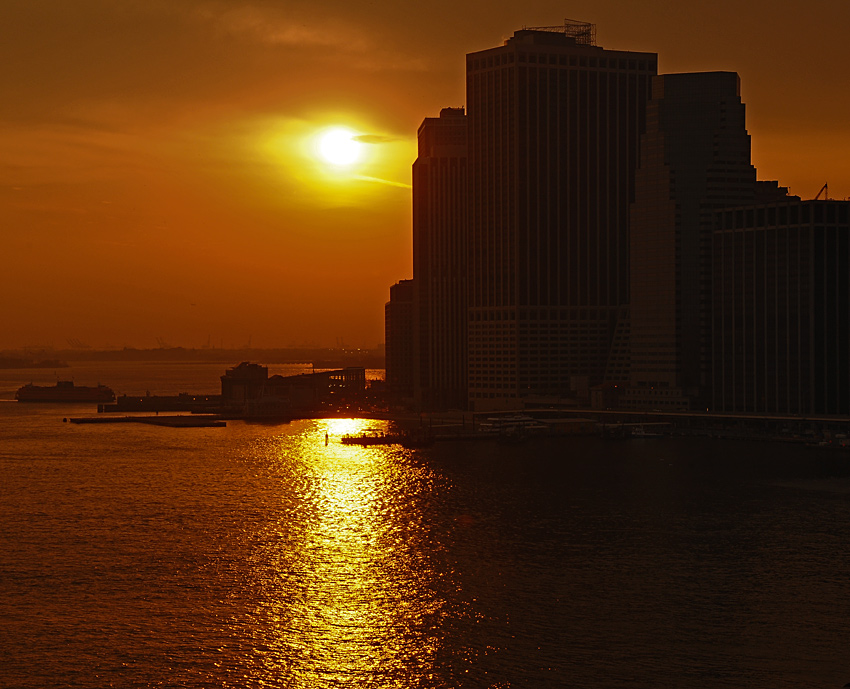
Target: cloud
(384, 181)
(271, 26)
(327, 35)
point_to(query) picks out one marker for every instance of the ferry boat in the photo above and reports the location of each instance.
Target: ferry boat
(64, 391)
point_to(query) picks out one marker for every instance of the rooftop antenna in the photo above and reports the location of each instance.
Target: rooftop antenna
(583, 32)
(823, 190)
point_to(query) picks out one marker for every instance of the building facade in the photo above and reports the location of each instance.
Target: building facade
(781, 340)
(398, 332)
(554, 125)
(695, 160)
(439, 262)
(243, 383)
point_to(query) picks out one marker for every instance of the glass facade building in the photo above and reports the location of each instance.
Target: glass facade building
(554, 125)
(781, 341)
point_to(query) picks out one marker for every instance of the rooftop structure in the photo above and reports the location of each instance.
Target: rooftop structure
(582, 33)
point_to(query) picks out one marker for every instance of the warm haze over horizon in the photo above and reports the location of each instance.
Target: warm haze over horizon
(208, 171)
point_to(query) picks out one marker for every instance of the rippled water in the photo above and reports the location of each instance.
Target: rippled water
(258, 556)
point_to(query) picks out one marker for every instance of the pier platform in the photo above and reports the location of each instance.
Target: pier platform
(194, 421)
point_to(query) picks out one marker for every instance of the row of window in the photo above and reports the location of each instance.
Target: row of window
(561, 60)
(792, 214)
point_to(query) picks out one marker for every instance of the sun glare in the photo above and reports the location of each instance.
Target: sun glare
(339, 147)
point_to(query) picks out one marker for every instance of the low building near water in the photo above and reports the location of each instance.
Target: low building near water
(249, 386)
(244, 382)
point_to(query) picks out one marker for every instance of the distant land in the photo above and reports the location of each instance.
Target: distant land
(7, 362)
(318, 357)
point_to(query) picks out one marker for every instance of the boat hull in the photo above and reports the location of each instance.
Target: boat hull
(64, 391)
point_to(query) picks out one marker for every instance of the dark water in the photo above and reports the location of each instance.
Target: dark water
(256, 556)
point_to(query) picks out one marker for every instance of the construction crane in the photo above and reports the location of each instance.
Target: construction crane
(823, 190)
(74, 343)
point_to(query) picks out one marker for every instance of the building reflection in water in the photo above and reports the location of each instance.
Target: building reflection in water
(353, 587)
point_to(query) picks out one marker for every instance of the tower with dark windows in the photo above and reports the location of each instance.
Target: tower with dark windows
(398, 331)
(439, 262)
(554, 125)
(695, 160)
(781, 341)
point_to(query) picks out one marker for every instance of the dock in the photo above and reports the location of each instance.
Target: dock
(194, 421)
(184, 402)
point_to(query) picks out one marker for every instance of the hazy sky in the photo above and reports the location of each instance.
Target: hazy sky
(159, 176)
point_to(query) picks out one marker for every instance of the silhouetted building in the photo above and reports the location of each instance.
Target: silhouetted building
(554, 124)
(249, 386)
(695, 159)
(782, 308)
(769, 191)
(398, 324)
(243, 382)
(319, 388)
(439, 262)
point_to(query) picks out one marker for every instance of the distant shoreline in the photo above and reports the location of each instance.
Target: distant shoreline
(14, 363)
(318, 357)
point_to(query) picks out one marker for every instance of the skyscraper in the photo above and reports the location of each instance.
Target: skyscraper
(439, 261)
(398, 324)
(695, 160)
(554, 124)
(782, 308)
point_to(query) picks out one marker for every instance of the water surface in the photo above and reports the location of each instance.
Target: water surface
(258, 556)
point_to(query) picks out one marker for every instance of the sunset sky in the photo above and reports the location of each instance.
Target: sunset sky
(162, 176)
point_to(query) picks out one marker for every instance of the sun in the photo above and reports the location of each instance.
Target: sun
(338, 146)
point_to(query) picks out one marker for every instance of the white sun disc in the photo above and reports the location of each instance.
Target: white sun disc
(339, 147)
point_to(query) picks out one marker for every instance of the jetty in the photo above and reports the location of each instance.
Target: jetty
(184, 402)
(193, 421)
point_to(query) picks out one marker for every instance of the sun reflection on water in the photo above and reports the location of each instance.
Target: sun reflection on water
(340, 427)
(352, 594)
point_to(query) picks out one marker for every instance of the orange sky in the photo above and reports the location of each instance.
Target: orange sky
(158, 177)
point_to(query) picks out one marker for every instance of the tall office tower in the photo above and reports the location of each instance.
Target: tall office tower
(439, 262)
(398, 331)
(695, 159)
(782, 308)
(554, 123)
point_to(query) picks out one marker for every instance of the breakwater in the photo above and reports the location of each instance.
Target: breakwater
(194, 421)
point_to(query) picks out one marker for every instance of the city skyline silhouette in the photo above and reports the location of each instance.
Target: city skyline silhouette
(592, 233)
(161, 176)
(356, 345)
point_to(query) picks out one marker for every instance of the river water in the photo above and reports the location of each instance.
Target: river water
(258, 556)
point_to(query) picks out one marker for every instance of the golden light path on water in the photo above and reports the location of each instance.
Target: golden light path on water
(350, 586)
